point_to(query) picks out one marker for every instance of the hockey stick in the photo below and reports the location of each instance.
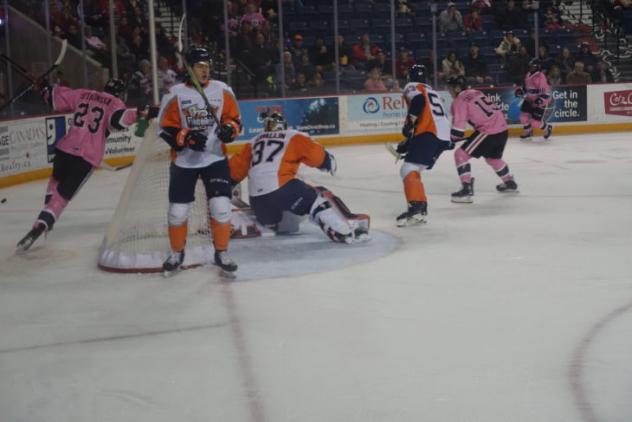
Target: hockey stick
(35, 81)
(194, 79)
(106, 166)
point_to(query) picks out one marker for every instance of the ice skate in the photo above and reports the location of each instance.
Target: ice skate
(227, 265)
(415, 214)
(547, 132)
(30, 238)
(173, 264)
(507, 187)
(466, 194)
(526, 135)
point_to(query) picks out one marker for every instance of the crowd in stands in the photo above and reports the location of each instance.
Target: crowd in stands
(486, 41)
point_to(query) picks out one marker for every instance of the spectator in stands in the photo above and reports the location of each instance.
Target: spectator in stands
(255, 18)
(320, 55)
(510, 44)
(261, 58)
(476, 68)
(450, 20)
(344, 51)
(567, 62)
(545, 60)
(451, 66)
(166, 76)
(518, 65)
(245, 42)
(374, 81)
(297, 48)
(363, 52)
(482, 5)
(578, 76)
(317, 84)
(382, 64)
(138, 46)
(510, 17)
(586, 57)
(403, 9)
(554, 75)
(472, 21)
(306, 67)
(299, 86)
(602, 73)
(402, 64)
(140, 85)
(552, 22)
(288, 68)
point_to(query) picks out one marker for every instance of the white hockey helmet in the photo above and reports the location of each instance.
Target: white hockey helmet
(273, 122)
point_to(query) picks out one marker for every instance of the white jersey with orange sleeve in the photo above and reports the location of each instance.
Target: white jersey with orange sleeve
(184, 108)
(429, 113)
(271, 159)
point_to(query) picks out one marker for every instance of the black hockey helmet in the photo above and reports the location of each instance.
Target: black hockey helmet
(198, 55)
(535, 65)
(457, 81)
(115, 87)
(274, 121)
(417, 73)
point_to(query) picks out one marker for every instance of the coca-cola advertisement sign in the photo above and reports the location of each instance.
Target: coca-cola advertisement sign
(618, 102)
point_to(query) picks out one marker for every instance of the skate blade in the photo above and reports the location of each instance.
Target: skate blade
(468, 200)
(411, 222)
(169, 274)
(228, 275)
(509, 192)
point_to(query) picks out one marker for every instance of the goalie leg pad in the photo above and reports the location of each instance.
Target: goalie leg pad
(329, 220)
(361, 222)
(220, 207)
(178, 214)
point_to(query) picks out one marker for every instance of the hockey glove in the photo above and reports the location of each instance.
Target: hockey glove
(519, 92)
(402, 147)
(226, 134)
(409, 128)
(537, 113)
(329, 165)
(195, 140)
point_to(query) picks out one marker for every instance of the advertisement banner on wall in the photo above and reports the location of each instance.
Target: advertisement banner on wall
(569, 103)
(375, 113)
(22, 146)
(316, 116)
(618, 102)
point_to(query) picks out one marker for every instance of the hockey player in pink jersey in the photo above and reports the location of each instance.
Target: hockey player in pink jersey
(537, 95)
(77, 154)
(488, 140)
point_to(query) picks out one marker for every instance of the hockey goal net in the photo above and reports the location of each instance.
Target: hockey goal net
(137, 238)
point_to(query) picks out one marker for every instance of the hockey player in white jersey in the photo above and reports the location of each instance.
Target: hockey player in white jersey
(197, 128)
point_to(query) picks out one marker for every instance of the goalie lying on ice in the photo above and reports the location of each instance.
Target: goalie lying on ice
(271, 160)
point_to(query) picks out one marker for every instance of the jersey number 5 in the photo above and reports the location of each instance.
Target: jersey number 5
(79, 121)
(258, 148)
(435, 102)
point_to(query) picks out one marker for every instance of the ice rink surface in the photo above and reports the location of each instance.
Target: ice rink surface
(515, 308)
